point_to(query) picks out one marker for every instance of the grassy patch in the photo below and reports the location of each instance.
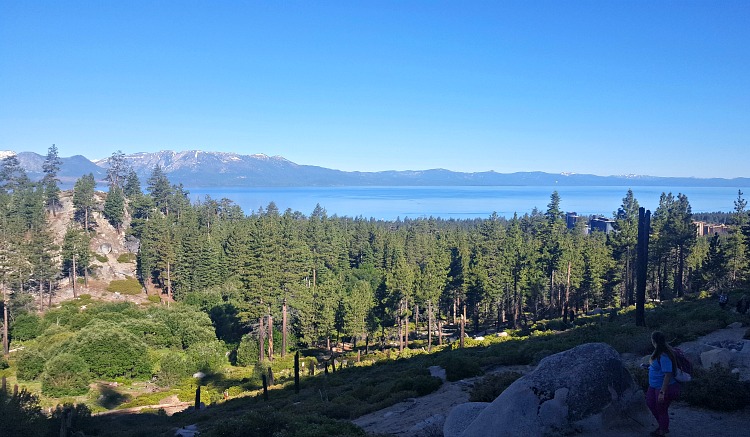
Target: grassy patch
(125, 258)
(129, 286)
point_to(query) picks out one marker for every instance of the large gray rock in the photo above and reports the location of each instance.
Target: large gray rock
(584, 390)
(716, 357)
(461, 416)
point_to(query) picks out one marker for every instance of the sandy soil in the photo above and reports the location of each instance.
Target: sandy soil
(424, 416)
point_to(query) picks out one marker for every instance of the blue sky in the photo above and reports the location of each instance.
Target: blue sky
(602, 87)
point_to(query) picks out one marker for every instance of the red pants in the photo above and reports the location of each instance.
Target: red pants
(659, 409)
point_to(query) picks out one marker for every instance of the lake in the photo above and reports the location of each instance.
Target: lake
(388, 203)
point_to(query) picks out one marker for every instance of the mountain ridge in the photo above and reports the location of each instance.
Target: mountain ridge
(196, 168)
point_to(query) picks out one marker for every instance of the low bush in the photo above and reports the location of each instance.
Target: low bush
(716, 388)
(65, 375)
(124, 258)
(26, 327)
(268, 422)
(129, 286)
(207, 357)
(173, 368)
(154, 298)
(422, 385)
(111, 351)
(458, 367)
(152, 332)
(29, 365)
(101, 258)
(248, 351)
(491, 386)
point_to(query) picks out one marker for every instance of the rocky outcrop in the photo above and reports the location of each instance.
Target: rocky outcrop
(724, 348)
(584, 390)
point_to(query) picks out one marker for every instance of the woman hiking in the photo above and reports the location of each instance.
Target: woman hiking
(662, 387)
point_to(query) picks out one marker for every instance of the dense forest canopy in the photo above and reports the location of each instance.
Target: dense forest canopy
(364, 279)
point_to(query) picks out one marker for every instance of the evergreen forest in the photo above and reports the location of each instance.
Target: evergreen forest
(247, 287)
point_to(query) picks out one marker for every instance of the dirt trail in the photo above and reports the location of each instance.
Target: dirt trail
(424, 416)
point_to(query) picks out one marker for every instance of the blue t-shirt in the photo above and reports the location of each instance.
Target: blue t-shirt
(657, 369)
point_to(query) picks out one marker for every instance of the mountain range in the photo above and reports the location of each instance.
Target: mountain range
(196, 168)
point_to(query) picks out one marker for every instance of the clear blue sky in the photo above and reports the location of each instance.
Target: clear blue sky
(603, 87)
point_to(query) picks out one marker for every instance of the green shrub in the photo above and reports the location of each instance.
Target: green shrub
(248, 351)
(716, 388)
(3, 363)
(125, 258)
(207, 357)
(101, 258)
(30, 365)
(458, 367)
(129, 286)
(173, 368)
(154, 298)
(65, 375)
(153, 332)
(111, 351)
(188, 324)
(26, 327)
(56, 340)
(277, 423)
(491, 386)
(422, 384)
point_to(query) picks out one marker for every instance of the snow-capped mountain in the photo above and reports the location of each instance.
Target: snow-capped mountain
(195, 168)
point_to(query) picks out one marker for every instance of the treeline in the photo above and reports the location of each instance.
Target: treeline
(321, 277)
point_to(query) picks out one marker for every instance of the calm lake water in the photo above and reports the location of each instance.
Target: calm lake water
(388, 203)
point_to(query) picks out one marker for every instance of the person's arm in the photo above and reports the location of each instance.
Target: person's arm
(667, 380)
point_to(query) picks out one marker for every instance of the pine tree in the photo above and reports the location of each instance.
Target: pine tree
(84, 200)
(715, 268)
(76, 255)
(12, 175)
(43, 254)
(623, 242)
(358, 303)
(159, 189)
(114, 207)
(132, 187)
(51, 167)
(736, 246)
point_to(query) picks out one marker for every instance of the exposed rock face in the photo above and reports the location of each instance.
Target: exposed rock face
(583, 390)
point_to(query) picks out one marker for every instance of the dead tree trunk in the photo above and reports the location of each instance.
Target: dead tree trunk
(283, 329)
(261, 339)
(429, 326)
(270, 337)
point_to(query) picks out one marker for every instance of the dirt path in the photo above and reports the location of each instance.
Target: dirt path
(168, 408)
(424, 416)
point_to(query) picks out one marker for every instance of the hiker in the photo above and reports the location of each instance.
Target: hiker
(723, 299)
(662, 387)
